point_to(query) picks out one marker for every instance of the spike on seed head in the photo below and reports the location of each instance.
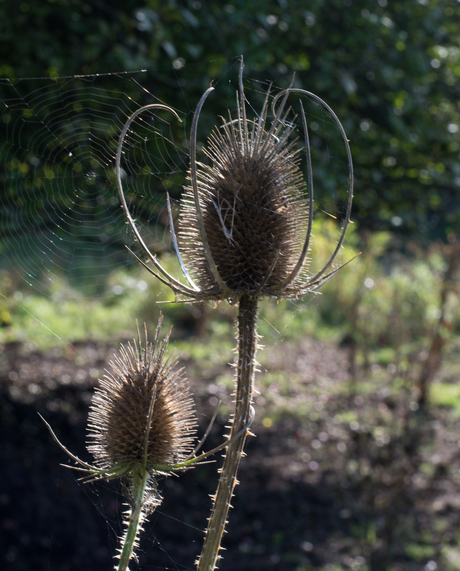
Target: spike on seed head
(142, 415)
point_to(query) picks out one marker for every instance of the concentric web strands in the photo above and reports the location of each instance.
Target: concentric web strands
(59, 218)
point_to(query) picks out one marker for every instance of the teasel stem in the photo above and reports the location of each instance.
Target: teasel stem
(247, 346)
(140, 480)
(134, 520)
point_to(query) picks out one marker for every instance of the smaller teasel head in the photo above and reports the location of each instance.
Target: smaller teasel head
(246, 216)
(142, 415)
(141, 424)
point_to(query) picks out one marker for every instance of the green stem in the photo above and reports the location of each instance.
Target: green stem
(247, 345)
(134, 521)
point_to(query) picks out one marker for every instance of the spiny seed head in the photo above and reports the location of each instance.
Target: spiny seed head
(142, 414)
(245, 225)
(254, 213)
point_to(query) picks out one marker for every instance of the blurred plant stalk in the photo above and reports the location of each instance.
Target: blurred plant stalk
(432, 363)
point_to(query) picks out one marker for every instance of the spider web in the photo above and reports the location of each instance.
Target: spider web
(60, 215)
(99, 507)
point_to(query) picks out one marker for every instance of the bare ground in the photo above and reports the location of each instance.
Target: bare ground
(317, 491)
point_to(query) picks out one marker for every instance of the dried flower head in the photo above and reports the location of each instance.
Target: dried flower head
(142, 423)
(246, 219)
(253, 208)
(142, 415)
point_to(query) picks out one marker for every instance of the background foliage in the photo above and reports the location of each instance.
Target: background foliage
(390, 70)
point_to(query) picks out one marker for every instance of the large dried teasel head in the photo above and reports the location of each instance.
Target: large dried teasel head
(246, 218)
(253, 209)
(142, 415)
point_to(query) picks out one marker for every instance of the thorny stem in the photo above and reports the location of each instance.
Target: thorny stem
(247, 345)
(134, 521)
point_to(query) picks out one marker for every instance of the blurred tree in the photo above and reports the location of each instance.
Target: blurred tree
(390, 70)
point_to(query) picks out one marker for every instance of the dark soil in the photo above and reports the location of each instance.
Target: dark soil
(316, 492)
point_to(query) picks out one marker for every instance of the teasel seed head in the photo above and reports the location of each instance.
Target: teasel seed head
(246, 218)
(253, 209)
(141, 424)
(142, 415)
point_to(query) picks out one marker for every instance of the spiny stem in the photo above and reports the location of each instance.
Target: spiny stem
(247, 345)
(134, 521)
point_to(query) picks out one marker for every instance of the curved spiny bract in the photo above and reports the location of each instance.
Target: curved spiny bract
(163, 276)
(245, 222)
